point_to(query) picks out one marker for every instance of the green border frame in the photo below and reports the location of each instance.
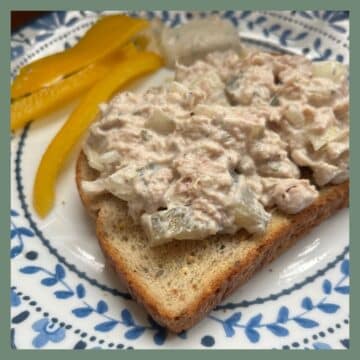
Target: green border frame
(6, 7)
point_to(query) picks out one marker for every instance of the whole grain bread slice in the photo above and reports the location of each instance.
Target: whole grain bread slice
(180, 282)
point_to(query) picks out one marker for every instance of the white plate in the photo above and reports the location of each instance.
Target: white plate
(64, 296)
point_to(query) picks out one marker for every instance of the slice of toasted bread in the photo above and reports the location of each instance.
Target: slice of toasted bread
(180, 282)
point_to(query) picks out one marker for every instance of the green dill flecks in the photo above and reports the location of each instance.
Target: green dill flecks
(145, 135)
(226, 137)
(274, 101)
(232, 84)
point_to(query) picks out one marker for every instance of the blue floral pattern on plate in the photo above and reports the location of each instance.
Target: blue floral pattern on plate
(58, 303)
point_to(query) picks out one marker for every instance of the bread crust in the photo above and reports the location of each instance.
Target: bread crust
(272, 244)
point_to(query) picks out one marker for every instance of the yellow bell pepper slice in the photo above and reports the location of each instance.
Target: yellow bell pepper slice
(53, 97)
(108, 34)
(71, 132)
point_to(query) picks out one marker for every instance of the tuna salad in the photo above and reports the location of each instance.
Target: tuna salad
(225, 142)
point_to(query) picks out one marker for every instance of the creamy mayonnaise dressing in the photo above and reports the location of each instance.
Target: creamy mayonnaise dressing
(213, 150)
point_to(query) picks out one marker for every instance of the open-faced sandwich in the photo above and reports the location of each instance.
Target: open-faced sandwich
(196, 184)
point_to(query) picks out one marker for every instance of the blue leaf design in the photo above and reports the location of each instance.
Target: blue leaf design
(328, 308)
(14, 213)
(229, 330)
(160, 337)
(39, 341)
(254, 321)
(234, 318)
(30, 269)
(82, 312)
(59, 272)
(43, 36)
(63, 294)
(20, 317)
(307, 303)
(230, 322)
(301, 36)
(245, 14)
(150, 15)
(106, 326)
(317, 43)
(61, 17)
(72, 21)
(252, 335)
(134, 333)
(284, 37)
(345, 267)
(127, 318)
(152, 322)
(40, 25)
(306, 323)
(327, 287)
(25, 231)
(233, 20)
(345, 343)
(182, 335)
(49, 281)
(278, 330)
(40, 324)
(326, 54)
(80, 291)
(305, 14)
(338, 28)
(260, 20)
(14, 298)
(80, 345)
(102, 307)
(175, 21)
(16, 51)
(13, 233)
(339, 16)
(274, 27)
(326, 14)
(283, 315)
(15, 251)
(165, 16)
(321, 346)
(228, 13)
(343, 289)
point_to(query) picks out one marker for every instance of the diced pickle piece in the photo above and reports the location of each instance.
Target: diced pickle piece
(331, 134)
(175, 223)
(249, 212)
(295, 116)
(120, 183)
(329, 69)
(160, 123)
